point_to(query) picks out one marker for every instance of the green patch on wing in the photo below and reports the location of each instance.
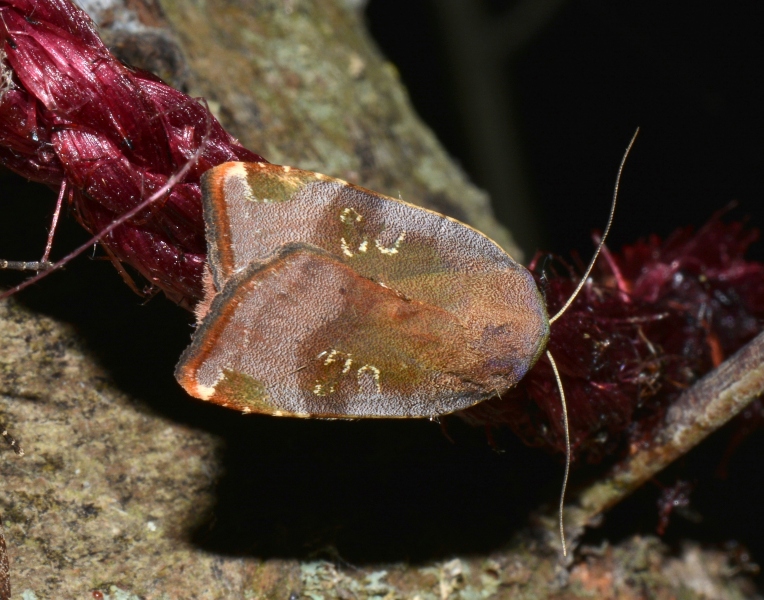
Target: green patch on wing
(276, 184)
(245, 391)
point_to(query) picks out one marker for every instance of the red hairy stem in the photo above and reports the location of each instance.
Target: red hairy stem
(71, 112)
(652, 320)
(698, 411)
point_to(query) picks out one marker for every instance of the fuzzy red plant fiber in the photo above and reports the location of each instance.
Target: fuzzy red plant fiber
(71, 112)
(654, 318)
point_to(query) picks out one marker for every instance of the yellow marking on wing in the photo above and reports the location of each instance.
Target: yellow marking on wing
(362, 247)
(328, 384)
(204, 392)
(238, 170)
(390, 249)
(375, 373)
(321, 389)
(350, 215)
(237, 173)
(331, 358)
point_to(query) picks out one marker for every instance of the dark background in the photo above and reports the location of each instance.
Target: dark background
(574, 83)
(587, 73)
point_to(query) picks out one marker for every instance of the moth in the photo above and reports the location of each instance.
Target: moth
(329, 300)
(325, 299)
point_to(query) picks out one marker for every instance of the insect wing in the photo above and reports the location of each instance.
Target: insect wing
(304, 335)
(254, 209)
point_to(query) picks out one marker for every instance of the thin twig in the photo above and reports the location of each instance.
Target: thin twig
(47, 268)
(698, 412)
(23, 265)
(54, 223)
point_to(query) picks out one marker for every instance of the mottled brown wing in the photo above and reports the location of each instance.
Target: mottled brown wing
(253, 209)
(304, 334)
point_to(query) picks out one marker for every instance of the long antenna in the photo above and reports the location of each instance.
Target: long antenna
(557, 316)
(567, 448)
(582, 283)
